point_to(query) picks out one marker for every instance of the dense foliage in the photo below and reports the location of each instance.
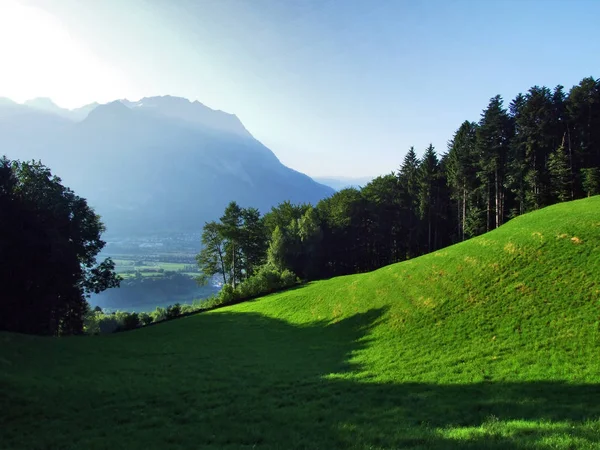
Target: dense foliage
(49, 239)
(543, 149)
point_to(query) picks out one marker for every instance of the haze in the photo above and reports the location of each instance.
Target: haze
(334, 88)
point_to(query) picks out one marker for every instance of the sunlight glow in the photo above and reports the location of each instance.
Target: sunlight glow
(39, 58)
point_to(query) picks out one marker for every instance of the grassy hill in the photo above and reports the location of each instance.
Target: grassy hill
(492, 343)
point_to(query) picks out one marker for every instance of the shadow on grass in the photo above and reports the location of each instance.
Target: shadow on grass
(242, 380)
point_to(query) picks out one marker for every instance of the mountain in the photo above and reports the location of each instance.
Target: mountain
(47, 105)
(191, 112)
(339, 183)
(492, 343)
(159, 165)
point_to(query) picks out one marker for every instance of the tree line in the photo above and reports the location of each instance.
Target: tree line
(542, 149)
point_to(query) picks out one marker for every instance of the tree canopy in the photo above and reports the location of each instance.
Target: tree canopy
(49, 240)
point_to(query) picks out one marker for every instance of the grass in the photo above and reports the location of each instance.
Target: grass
(492, 343)
(126, 268)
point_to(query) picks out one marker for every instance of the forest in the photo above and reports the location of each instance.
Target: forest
(540, 149)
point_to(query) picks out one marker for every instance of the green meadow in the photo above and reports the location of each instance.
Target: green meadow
(492, 343)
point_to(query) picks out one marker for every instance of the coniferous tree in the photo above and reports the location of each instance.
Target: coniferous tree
(591, 180)
(560, 174)
(461, 170)
(429, 176)
(408, 176)
(493, 136)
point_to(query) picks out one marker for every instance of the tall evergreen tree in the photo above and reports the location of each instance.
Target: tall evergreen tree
(493, 137)
(560, 174)
(408, 177)
(461, 168)
(429, 176)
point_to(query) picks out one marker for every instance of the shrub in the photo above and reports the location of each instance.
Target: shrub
(108, 323)
(173, 311)
(158, 314)
(145, 318)
(186, 309)
(130, 322)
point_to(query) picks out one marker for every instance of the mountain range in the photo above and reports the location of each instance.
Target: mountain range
(157, 165)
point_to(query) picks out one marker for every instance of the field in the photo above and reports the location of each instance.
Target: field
(492, 343)
(126, 266)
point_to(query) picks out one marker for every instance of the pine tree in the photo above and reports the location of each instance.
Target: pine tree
(461, 169)
(408, 177)
(429, 171)
(493, 137)
(591, 180)
(560, 174)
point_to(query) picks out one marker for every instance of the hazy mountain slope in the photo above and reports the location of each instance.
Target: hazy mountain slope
(159, 165)
(489, 344)
(47, 105)
(339, 183)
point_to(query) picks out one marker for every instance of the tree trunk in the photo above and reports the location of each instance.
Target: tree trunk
(464, 214)
(489, 207)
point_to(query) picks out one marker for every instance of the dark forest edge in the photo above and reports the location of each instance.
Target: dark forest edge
(543, 149)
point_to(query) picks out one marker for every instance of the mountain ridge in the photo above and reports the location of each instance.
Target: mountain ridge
(154, 165)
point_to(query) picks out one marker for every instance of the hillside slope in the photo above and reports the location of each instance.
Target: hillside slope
(491, 343)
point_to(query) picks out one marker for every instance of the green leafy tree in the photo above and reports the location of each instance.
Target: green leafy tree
(231, 231)
(211, 259)
(45, 226)
(253, 241)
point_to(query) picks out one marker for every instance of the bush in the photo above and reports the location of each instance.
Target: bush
(145, 318)
(266, 280)
(173, 311)
(108, 323)
(186, 309)
(158, 314)
(130, 322)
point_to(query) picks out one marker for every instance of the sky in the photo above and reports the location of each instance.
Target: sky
(333, 87)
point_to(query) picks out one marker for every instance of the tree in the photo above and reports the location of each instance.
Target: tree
(211, 259)
(461, 170)
(493, 136)
(49, 240)
(429, 176)
(231, 224)
(408, 177)
(591, 180)
(560, 174)
(253, 240)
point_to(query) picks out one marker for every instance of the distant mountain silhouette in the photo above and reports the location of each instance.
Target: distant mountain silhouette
(162, 164)
(47, 105)
(339, 183)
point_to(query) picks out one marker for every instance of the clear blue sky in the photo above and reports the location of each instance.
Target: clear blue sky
(338, 87)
